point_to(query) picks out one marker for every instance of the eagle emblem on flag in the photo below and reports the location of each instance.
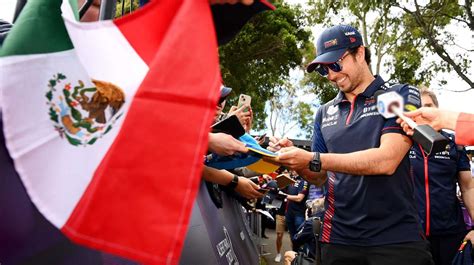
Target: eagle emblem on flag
(81, 113)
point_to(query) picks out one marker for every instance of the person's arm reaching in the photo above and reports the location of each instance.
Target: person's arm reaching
(461, 123)
(383, 160)
(294, 198)
(225, 144)
(316, 178)
(436, 118)
(464, 129)
(245, 187)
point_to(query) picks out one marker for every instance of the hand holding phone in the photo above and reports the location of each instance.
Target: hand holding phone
(244, 113)
(244, 100)
(261, 137)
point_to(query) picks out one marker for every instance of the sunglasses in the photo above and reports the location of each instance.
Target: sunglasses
(323, 69)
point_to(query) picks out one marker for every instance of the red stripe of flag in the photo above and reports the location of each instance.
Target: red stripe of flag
(145, 29)
(139, 202)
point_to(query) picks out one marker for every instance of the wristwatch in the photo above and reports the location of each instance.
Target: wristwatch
(315, 164)
(233, 183)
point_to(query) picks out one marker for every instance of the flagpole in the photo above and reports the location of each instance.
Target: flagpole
(19, 6)
(107, 9)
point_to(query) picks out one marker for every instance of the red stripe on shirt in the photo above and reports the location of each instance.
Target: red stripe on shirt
(327, 226)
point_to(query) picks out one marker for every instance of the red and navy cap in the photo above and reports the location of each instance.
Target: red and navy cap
(333, 43)
(225, 91)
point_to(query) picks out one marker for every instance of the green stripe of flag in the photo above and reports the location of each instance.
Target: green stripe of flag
(75, 7)
(39, 29)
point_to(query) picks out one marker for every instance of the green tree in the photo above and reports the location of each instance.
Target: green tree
(125, 6)
(404, 34)
(320, 86)
(430, 25)
(258, 60)
(286, 112)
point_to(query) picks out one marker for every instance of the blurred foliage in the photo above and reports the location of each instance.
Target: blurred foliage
(431, 32)
(286, 112)
(403, 34)
(257, 62)
(400, 34)
(125, 6)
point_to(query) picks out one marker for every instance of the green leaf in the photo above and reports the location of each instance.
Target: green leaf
(76, 114)
(92, 141)
(108, 129)
(262, 55)
(67, 94)
(72, 140)
(49, 95)
(61, 76)
(53, 115)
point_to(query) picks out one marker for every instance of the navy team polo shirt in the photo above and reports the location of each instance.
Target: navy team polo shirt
(297, 208)
(435, 188)
(365, 210)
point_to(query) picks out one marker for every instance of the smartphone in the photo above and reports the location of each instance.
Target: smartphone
(259, 138)
(231, 125)
(244, 100)
(283, 181)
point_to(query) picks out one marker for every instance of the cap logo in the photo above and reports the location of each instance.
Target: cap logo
(350, 33)
(330, 43)
(352, 39)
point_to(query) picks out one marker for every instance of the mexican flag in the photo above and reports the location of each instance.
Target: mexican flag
(107, 121)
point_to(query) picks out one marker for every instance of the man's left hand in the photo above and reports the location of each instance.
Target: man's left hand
(294, 158)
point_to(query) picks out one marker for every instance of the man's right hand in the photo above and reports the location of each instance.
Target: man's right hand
(294, 158)
(225, 145)
(276, 143)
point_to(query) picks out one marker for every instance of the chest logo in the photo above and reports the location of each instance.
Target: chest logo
(332, 110)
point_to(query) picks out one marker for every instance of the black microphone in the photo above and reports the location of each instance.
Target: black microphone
(390, 105)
